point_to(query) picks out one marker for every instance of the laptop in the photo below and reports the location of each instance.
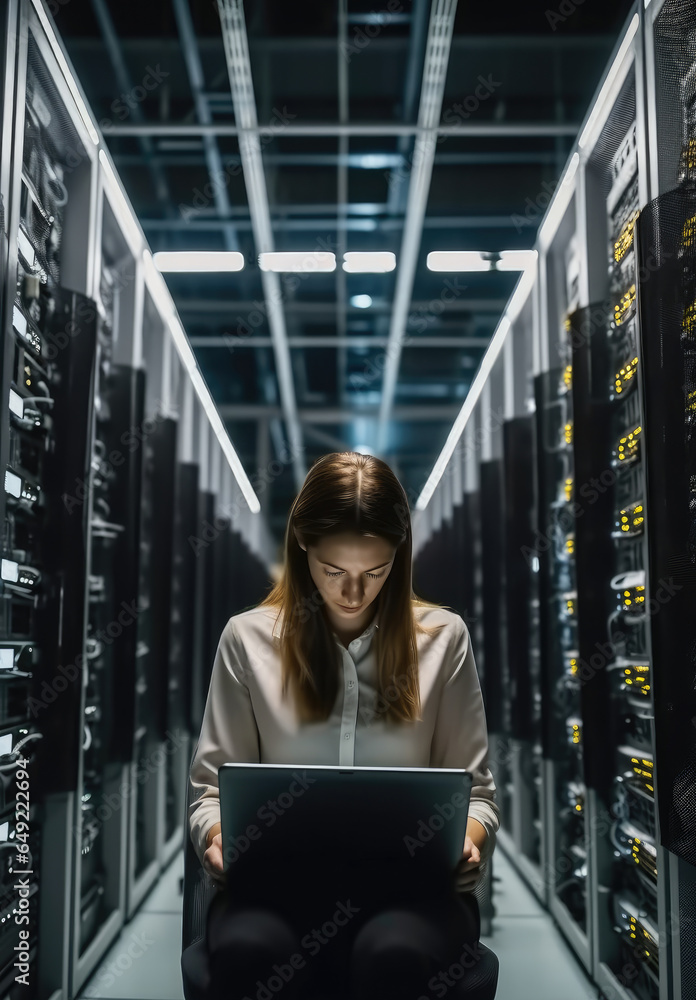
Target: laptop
(271, 813)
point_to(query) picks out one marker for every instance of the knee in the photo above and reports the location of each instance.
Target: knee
(392, 940)
(252, 932)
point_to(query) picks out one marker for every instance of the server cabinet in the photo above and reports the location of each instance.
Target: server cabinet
(49, 367)
(494, 631)
(205, 639)
(666, 244)
(523, 692)
(180, 677)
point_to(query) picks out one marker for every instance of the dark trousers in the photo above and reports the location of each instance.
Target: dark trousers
(358, 933)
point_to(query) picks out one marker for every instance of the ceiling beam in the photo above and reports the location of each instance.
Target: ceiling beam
(114, 48)
(354, 340)
(355, 224)
(328, 415)
(491, 129)
(191, 157)
(236, 47)
(210, 44)
(437, 50)
(342, 201)
(492, 306)
(211, 150)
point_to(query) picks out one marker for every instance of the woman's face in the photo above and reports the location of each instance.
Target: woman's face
(349, 570)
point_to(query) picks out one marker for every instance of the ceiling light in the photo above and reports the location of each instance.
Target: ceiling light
(361, 301)
(516, 260)
(376, 262)
(306, 261)
(457, 260)
(199, 260)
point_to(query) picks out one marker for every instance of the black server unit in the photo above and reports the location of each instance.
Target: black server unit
(425, 577)
(222, 574)
(464, 556)
(161, 695)
(561, 723)
(181, 648)
(666, 242)
(473, 605)
(495, 629)
(205, 642)
(523, 690)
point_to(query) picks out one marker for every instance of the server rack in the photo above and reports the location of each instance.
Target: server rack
(665, 243)
(522, 616)
(81, 314)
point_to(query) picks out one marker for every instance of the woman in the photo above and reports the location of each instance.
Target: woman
(342, 664)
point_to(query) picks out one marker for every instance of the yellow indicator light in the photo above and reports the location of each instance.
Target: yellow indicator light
(573, 666)
(687, 158)
(570, 546)
(568, 375)
(628, 445)
(689, 320)
(568, 489)
(568, 433)
(623, 243)
(689, 231)
(624, 304)
(625, 374)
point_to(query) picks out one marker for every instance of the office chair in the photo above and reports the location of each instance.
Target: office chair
(199, 888)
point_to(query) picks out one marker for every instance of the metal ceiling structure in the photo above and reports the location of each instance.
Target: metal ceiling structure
(262, 126)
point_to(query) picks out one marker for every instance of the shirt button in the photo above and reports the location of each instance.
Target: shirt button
(346, 736)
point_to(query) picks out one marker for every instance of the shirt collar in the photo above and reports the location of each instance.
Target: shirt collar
(368, 631)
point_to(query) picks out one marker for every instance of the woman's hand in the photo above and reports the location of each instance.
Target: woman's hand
(468, 870)
(212, 859)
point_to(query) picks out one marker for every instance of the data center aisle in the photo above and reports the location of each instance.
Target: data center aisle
(535, 962)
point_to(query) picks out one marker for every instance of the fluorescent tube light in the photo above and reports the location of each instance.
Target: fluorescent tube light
(157, 287)
(122, 209)
(199, 260)
(375, 262)
(512, 311)
(561, 200)
(457, 260)
(303, 260)
(588, 130)
(516, 260)
(220, 432)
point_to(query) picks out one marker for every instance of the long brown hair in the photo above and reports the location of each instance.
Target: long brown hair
(348, 491)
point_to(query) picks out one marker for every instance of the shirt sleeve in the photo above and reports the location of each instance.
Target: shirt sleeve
(461, 737)
(228, 733)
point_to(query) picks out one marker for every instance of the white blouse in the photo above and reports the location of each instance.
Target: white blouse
(246, 719)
